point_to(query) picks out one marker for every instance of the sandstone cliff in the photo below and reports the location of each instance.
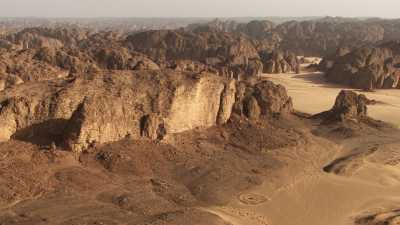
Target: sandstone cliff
(366, 68)
(110, 106)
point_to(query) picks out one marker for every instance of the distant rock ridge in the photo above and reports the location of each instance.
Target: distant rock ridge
(315, 38)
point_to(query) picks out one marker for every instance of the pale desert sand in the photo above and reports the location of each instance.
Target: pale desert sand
(303, 194)
(311, 94)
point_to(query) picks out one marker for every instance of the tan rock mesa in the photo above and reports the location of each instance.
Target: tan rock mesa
(110, 106)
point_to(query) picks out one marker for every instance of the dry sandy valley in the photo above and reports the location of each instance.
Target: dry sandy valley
(315, 197)
(313, 94)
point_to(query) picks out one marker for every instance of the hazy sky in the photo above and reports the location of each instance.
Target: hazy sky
(198, 8)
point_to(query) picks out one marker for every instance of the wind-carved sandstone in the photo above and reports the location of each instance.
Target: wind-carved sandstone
(348, 106)
(109, 106)
(176, 103)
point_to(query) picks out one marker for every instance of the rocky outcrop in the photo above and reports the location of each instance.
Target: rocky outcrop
(39, 37)
(262, 99)
(179, 103)
(317, 37)
(279, 62)
(25, 65)
(188, 66)
(8, 81)
(82, 61)
(348, 106)
(102, 107)
(218, 51)
(155, 105)
(33, 38)
(106, 107)
(227, 100)
(323, 37)
(152, 126)
(366, 68)
(175, 45)
(258, 29)
(36, 111)
(70, 61)
(119, 58)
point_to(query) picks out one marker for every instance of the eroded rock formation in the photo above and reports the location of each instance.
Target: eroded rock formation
(366, 68)
(107, 107)
(110, 106)
(279, 62)
(262, 99)
(348, 106)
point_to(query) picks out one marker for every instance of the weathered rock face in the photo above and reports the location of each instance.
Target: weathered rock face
(319, 37)
(262, 99)
(348, 106)
(175, 45)
(366, 68)
(33, 38)
(22, 65)
(8, 81)
(152, 126)
(70, 61)
(279, 62)
(119, 58)
(323, 37)
(39, 37)
(39, 110)
(227, 101)
(77, 61)
(254, 68)
(257, 29)
(151, 108)
(52, 53)
(108, 107)
(188, 66)
(218, 51)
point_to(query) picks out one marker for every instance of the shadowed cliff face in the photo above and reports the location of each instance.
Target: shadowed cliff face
(366, 68)
(107, 107)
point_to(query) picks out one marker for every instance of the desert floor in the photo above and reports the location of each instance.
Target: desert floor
(367, 195)
(311, 94)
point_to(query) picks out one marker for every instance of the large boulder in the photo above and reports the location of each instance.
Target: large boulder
(262, 99)
(348, 106)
